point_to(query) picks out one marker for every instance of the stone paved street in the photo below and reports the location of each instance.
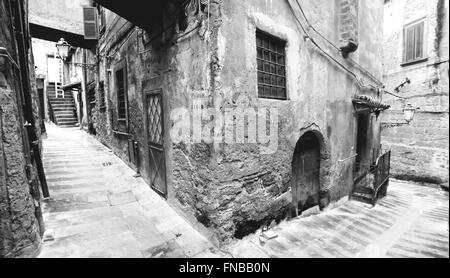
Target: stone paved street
(98, 209)
(412, 222)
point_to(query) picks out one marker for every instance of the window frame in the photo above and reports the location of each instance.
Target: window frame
(280, 44)
(121, 66)
(406, 28)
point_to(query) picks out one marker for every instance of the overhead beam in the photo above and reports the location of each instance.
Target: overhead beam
(50, 34)
(140, 14)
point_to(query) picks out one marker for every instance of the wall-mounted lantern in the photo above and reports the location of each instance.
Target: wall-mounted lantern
(63, 48)
(408, 113)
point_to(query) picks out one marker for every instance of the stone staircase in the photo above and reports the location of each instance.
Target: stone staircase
(63, 108)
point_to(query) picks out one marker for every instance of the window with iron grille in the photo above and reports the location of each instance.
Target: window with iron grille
(413, 42)
(121, 94)
(271, 66)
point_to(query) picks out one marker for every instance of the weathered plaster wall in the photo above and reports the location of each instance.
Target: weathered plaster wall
(424, 156)
(19, 203)
(235, 189)
(41, 49)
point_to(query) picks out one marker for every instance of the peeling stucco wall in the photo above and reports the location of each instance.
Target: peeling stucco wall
(424, 156)
(249, 188)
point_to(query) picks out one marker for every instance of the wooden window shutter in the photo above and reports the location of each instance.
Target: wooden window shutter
(414, 40)
(90, 23)
(419, 40)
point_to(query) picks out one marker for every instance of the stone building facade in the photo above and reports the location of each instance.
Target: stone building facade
(21, 172)
(420, 150)
(168, 83)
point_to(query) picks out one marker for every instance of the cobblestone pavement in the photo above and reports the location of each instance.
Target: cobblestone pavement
(98, 209)
(412, 222)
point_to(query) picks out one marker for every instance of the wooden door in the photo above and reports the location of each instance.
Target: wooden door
(306, 172)
(155, 140)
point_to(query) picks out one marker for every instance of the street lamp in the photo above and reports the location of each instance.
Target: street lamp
(63, 49)
(409, 112)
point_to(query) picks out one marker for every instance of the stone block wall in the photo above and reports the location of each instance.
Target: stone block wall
(20, 225)
(420, 150)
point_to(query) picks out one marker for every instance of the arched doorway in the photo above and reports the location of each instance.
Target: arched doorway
(306, 172)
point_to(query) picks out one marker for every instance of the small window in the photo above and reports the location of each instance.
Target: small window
(414, 46)
(121, 94)
(271, 66)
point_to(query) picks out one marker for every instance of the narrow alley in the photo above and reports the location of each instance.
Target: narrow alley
(98, 209)
(224, 129)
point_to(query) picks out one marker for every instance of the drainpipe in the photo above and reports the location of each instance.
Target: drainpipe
(85, 92)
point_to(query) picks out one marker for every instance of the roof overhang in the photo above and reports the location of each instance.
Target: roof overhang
(369, 104)
(76, 85)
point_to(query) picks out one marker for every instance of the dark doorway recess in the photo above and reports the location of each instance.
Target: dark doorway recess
(362, 143)
(306, 172)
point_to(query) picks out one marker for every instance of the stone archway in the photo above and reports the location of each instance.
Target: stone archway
(306, 165)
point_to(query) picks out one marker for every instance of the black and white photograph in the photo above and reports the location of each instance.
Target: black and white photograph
(231, 131)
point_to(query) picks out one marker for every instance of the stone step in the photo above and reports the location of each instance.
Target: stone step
(67, 123)
(65, 114)
(364, 190)
(55, 104)
(63, 107)
(64, 117)
(62, 99)
(66, 102)
(62, 120)
(364, 198)
(67, 126)
(51, 94)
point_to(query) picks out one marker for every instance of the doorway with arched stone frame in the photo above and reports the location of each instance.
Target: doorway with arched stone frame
(306, 172)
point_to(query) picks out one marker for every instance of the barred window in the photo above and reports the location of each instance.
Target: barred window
(121, 94)
(414, 42)
(271, 66)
